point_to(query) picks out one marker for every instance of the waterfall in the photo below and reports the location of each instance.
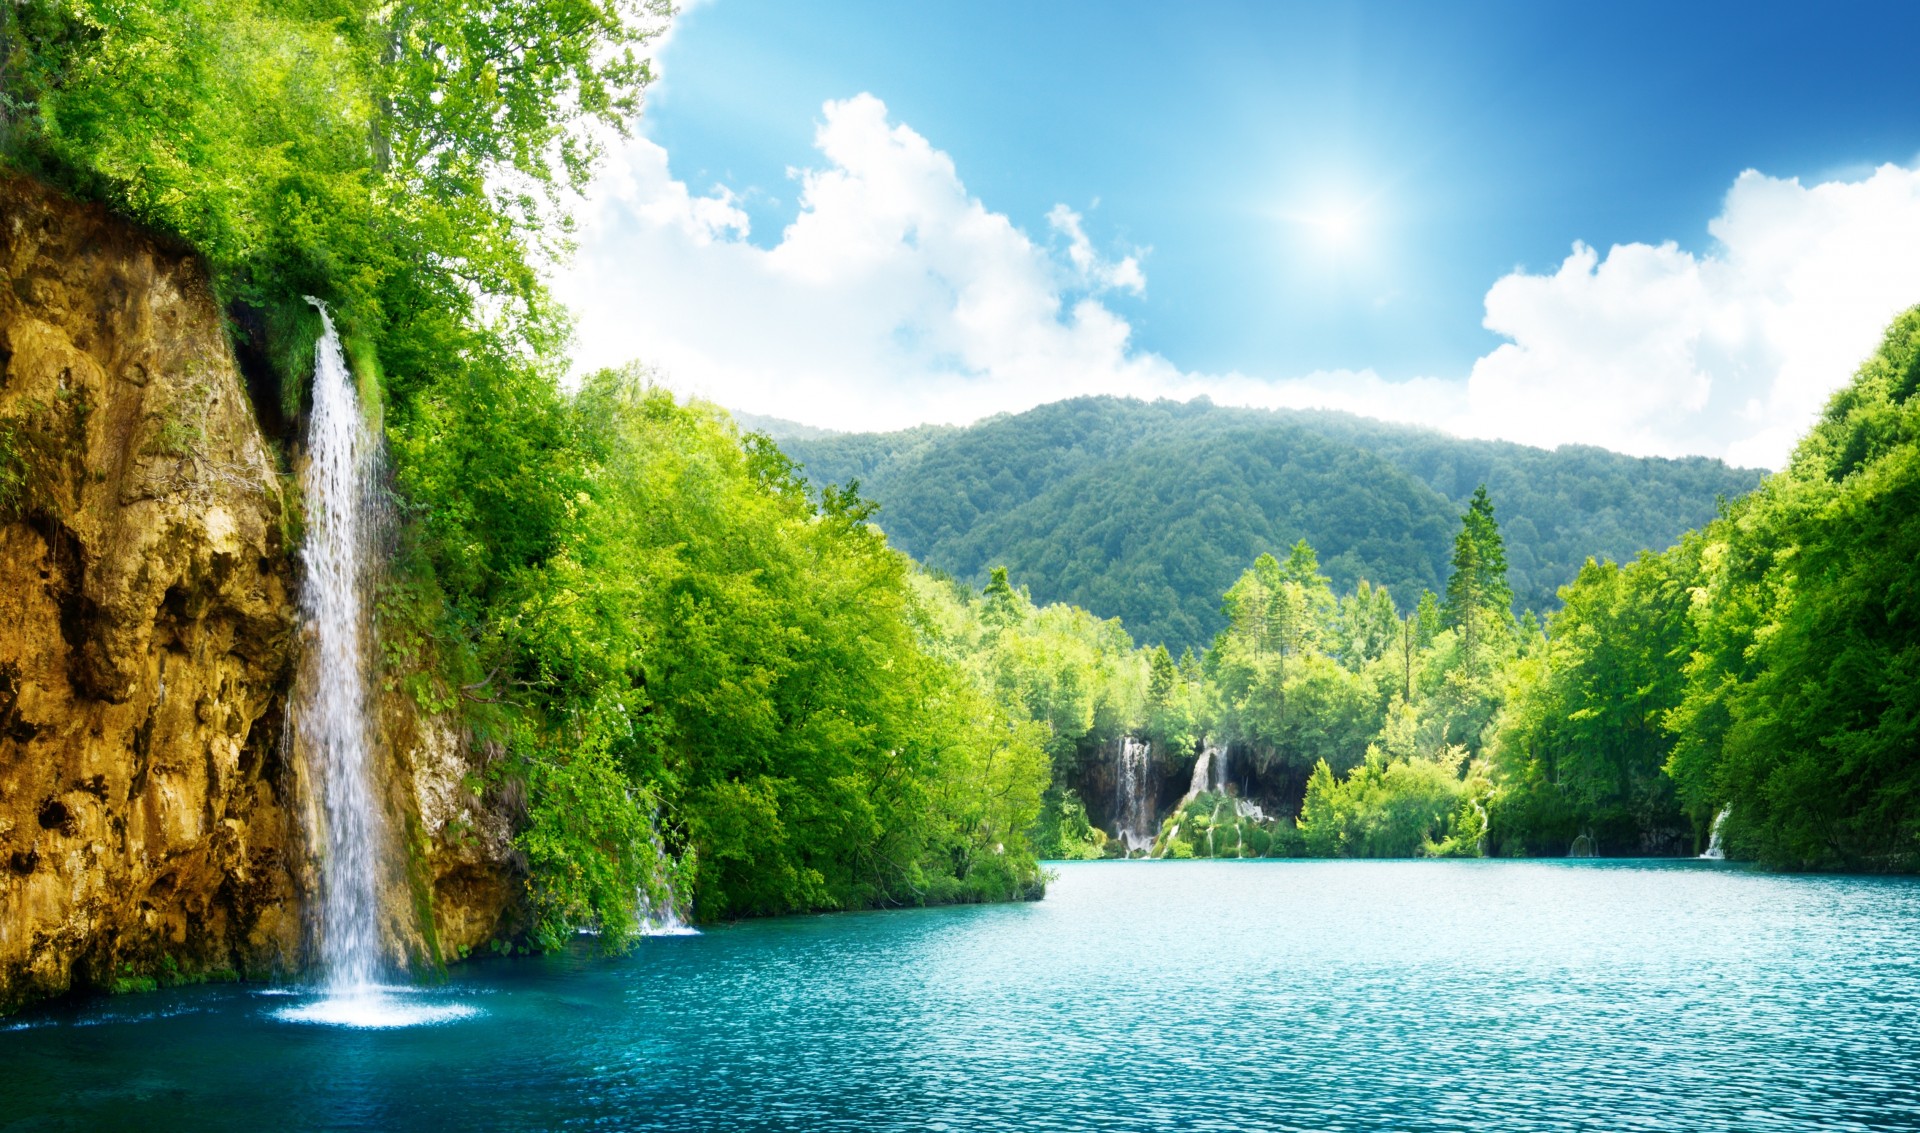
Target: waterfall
(1202, 774)
(331, 705)
(332, 716)
(1220, 768)
(1134, 796)
(1715, 851)
(659, 912)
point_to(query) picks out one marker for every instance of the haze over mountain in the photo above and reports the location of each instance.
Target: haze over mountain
(1147, 511)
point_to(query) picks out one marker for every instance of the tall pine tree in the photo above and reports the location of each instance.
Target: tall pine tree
(1479, 600)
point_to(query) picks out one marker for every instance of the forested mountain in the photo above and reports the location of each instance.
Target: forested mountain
(1147, 512)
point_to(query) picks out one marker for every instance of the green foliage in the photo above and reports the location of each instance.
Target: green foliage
(1077, 676)
(1479, 601)
(703, 630)
(1426, 619)
(587, 843)
(1760, 668)
(1062, 832)
(1800, 711)
(1298, 674)
(1414, 805)
(1147, 512)
(386, 156)
(1582, 739)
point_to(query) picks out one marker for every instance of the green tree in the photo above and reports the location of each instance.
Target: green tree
(1427, 619)
(1582, 740)
(1479, 601)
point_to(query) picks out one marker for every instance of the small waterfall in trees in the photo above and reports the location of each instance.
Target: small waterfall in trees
(1134, 795)
(660, 912)
(1715, 851)
(1220, 757)
(331, 714)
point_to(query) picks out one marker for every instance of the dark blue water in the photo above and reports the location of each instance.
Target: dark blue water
(1188, 995)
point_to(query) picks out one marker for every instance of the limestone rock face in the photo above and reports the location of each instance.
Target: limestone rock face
(462, 866)
(155, 817)
(145, 621)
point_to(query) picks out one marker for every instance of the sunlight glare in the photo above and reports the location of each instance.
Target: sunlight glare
(1336, 227)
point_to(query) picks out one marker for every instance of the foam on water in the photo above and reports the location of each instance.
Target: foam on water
(665, 928)
(375, 1008)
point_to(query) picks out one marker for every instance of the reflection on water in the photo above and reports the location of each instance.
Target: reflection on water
(1542, 996)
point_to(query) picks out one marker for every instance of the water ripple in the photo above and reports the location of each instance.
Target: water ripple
(1409, 996)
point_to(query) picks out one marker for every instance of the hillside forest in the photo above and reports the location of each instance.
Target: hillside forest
(707, 668)
(1148, 511)
(1747, 687)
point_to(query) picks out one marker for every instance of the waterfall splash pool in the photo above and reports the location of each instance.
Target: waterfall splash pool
(1532, 996)
(374, 1007)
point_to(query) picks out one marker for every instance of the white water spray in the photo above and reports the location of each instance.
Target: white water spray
(331, 712)
(1715, 851)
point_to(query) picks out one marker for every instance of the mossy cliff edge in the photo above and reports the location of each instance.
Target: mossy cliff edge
(153, 818)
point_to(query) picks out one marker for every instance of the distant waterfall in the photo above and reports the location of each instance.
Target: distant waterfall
(1715, 851)
(1134, 795)
(332, 709)
(1220, 756)
(1202, 779)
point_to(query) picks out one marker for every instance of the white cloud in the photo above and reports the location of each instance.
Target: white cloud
(895, 297)
(1655, 350)
(1124, 275)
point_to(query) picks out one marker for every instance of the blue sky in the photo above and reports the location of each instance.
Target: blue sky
(1319, 204)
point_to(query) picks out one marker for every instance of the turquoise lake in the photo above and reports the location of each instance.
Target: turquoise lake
(1180, 995)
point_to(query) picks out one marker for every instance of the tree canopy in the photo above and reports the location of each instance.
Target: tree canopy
(1148, 511)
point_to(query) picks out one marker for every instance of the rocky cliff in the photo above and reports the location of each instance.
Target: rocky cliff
(153, 817)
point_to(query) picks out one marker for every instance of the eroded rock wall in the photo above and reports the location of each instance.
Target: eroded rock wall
(145, 622)
(463, 876)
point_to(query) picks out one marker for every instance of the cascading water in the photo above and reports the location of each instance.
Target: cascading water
(661, 915)
(332, 716)
(1220, 756)
(1134, 791)
(1202, 775)
(331, 711)
(1715, 851)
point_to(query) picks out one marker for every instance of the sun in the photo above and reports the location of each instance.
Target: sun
(1337, 227)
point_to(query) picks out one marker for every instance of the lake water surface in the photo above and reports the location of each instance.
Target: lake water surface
(1178, 995)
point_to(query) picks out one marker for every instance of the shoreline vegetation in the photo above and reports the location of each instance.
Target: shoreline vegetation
(709, 675)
